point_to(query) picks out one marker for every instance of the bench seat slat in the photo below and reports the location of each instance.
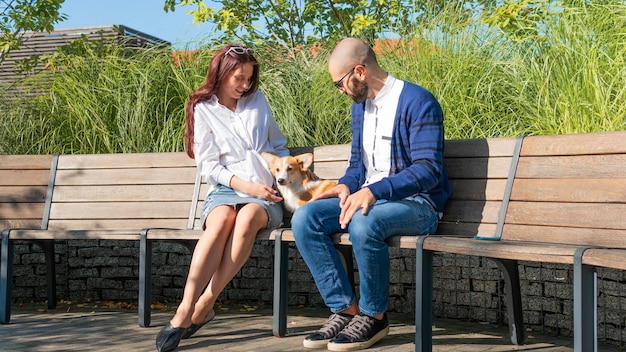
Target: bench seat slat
(472, 211)
(330, 170)
(22, 210)
(125, 176)
(571, 235)
(25, 177)
(93, 234)
(584, 215)
(466, 229)
(479, 168)
(26, 162)
(608, 258)
(585, 143)
(29, 194)
(24, 223)
(488, 147)
(111, 210)
(584, 166)
(515, 250)
(124, 193)
(571, 190)
(479, 190)
(130, 161)
(326, 153)
(133, 224)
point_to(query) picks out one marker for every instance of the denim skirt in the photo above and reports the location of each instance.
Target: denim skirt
(223, 195)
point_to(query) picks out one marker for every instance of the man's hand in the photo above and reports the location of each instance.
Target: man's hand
(339, 191)
(362, 199)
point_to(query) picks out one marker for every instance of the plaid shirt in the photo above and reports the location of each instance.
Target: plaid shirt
(416, 151)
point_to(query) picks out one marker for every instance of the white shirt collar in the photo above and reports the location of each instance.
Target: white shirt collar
(379, 99)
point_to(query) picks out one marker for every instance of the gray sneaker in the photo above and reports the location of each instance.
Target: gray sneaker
(331, 328)
(362, 332)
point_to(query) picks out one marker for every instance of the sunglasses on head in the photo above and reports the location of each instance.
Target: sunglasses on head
(239, 50)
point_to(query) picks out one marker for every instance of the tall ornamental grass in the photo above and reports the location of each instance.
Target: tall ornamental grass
(122, 102)
(105, 100)
(576, 81)
(568, 79)
(309, 109)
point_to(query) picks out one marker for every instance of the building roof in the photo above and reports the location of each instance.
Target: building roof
(38, 43)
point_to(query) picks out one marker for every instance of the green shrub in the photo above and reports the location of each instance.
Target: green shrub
(569, 79)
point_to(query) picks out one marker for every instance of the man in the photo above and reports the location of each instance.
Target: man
(395, 184)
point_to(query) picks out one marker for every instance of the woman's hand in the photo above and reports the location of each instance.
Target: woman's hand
(258, 190)
(255, 190)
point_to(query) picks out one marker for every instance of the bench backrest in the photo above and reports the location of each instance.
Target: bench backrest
(570, 189)
(24, 183)
(478, 170)
(123, 191)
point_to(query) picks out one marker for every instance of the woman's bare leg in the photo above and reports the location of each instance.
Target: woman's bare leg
(251, 218)
(205, 260)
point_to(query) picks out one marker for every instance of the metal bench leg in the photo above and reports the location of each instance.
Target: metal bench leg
(513, 299)
(347, 257)
(47, 246)
(423, 297)
(145, 279)
(6, 277)
(585, 305)
(281, 258)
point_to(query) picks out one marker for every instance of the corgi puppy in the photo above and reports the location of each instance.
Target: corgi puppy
(296, 183)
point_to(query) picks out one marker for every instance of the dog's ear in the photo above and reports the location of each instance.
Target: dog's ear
(269, 158)
(305, 160)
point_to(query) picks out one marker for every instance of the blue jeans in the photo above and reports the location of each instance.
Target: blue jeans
(314, 222)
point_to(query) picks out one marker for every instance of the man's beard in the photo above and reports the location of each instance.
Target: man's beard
(360, 90)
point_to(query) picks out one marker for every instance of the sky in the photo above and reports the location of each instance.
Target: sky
(146, 16)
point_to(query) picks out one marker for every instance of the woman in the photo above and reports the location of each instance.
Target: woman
(228, 124)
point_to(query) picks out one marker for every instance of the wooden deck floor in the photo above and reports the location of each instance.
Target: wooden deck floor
(236, 328)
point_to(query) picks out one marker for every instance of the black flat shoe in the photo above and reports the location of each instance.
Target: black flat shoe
(195, 327)
(168, 338)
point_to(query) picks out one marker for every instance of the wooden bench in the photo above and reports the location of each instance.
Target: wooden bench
(479, 172)
(158, 197)
(566, 204)
(25, 193)
(100, 197)
(549, 199)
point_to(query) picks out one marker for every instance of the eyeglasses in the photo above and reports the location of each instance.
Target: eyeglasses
(339, 84)
(239, 50)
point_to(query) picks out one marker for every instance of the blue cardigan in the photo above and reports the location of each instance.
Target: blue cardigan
(416, 151)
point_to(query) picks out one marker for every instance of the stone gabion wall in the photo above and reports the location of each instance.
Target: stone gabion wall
(468, 288)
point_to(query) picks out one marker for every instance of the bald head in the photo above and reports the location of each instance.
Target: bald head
(350, 52)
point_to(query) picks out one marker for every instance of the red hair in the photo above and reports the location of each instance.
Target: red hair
(222, 64)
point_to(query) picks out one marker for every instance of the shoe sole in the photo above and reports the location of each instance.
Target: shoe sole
(355, 346)
(315, 343)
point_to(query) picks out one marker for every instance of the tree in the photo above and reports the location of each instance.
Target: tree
(19, 16)
(293, 22)
(521, 20)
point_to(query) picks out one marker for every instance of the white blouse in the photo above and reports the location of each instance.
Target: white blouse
(224, 139)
